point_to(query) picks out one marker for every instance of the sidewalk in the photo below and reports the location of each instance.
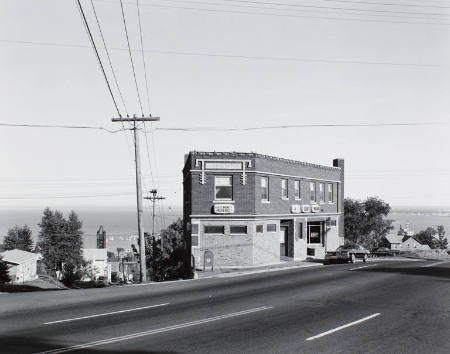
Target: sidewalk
(228, 272)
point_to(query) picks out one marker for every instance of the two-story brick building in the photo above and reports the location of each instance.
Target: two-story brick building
(249, 209)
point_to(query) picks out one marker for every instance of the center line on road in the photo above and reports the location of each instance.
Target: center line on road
(434, 264)
(154, 331)
(106, 314)
(366, 266)
(343, 326)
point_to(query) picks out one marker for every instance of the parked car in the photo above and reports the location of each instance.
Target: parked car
(384, 251)
(347, 253)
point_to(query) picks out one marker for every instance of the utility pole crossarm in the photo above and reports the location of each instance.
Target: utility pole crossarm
(137, 119)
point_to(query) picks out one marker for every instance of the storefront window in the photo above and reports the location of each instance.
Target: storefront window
(315, 233)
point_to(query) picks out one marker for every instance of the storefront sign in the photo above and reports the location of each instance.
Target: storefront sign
(224, 208)
(306, 209)
(295, 209)
(315, 208)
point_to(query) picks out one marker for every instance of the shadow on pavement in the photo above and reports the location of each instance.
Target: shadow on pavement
(16, 344)
(435, 271)
(20, 288)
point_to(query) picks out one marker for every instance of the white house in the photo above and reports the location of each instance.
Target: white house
(98, 259)
(412, 244)
(22, 265)
(395, 241)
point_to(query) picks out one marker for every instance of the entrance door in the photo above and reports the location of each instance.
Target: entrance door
(284, 231)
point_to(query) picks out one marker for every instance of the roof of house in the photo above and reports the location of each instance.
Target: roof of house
(18, 256)
(394, 238)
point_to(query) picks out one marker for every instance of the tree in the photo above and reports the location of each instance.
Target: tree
(4, 272)
(60, 242)
(425, 237)
(19, 238)
(441, 241)
(165, 260)
(365, 222)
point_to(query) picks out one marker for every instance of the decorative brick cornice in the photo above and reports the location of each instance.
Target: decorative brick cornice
(247, 155)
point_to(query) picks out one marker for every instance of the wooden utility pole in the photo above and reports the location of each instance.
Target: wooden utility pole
(154, 198)
(140, 211)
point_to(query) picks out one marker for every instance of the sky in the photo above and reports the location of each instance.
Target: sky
(224, 64)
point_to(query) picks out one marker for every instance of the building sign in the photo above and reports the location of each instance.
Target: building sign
(223, 165)
(306, 208)
(315, 208)
(224, 208)
(295, 209)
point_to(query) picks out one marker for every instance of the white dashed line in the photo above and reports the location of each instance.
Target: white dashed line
(366, 266)
(154, 331)
(105, 314)
(344, 326)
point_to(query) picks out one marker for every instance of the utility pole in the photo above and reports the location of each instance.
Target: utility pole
(154, 198)
(140, 211)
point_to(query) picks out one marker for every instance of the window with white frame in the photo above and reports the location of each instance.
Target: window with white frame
(312, 191)
(322, 192)
(330, 193)
(223, 187)
(265, 189)
(284, 189)
(298, 193)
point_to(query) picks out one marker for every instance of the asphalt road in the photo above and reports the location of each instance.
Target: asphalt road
(379, 307)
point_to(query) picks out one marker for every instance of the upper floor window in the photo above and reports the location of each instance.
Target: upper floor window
(223, 187)
(330, 193)
(298, 193)
(312, 191)
(265, 189)
(322, 192)
(284, 189)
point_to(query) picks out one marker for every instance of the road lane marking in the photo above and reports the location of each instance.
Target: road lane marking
(434, 264)
(366, 266)
(105, 314)
(343, 326)
(154, 331)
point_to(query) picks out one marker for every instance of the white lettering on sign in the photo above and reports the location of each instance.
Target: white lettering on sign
(315, 208)
(223, 165)
(306, 208)
(224, 208)
(295, 209)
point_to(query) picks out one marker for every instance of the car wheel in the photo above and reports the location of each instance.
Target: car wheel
(352, 258)
(365, 258)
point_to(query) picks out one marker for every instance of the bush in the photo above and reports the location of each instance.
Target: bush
(4, 272)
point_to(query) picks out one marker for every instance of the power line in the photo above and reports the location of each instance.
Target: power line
(86, 25)
(299, 10)
(131, 57)
(237, 56)
(333, 8)
(68, 196)
(109, 58)
(387, 4)
(210, 129)
(294, 16)
(59, 127)
(143, 56)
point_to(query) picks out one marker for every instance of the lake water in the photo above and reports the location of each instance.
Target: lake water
(121, 226)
